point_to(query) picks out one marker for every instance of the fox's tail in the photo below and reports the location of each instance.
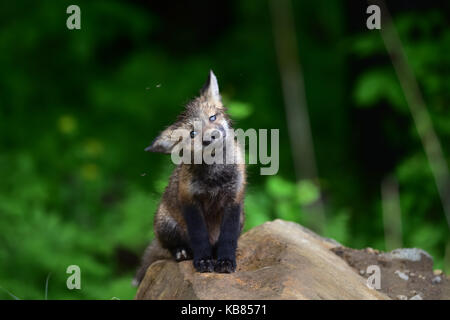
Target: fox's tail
(152, 253)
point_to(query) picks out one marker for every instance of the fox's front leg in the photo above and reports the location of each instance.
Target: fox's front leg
(199, 239)
(227, 243)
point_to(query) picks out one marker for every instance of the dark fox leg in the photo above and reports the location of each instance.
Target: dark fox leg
(175, 240)
(199, 239)
(227, 242)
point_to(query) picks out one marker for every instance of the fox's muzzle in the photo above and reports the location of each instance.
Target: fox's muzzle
(212, 135)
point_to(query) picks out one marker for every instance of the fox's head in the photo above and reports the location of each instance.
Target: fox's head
(201, 125)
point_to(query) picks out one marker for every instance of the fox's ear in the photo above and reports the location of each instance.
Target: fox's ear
(210, 89)
(164, 143)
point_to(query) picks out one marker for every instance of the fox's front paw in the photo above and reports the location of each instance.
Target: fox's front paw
(204, 265)
(225, 265)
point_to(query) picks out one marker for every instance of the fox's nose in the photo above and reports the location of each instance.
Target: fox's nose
(208, 142)
(210, 136)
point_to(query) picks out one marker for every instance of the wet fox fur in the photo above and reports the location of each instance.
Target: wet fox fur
(201, 214)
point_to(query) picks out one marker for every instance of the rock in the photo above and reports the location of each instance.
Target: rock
(404, 272)
(436, 279)
(402, 275)
(437, 272)
(277, 260)
(411, 254)
(416, 297)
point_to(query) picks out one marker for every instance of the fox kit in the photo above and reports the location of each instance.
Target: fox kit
(201, 212)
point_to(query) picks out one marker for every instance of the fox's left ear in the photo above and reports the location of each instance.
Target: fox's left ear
(210, 89)
(165, 142)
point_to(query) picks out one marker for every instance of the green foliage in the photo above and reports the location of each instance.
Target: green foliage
(239, 110)
(307, 192)
(374, 86)
(338, 227)
(423, 219)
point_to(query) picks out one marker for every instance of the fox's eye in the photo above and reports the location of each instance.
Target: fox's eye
(212, 118)
(193, 134)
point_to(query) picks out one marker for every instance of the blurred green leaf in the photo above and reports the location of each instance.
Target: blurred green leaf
(239, 110)
(279, 187)
(307, 192)
(375, 85)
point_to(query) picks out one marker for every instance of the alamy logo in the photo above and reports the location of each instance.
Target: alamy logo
(374, 20)
(222, 149)
(74, 280)
(74, 20)
(374, 280)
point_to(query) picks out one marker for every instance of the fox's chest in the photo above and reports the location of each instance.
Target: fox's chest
(201, 189)
(213, 193)
(214, 188)
(217, 181)
(212, 210)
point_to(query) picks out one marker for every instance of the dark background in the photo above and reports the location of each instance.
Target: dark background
(77, 108)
